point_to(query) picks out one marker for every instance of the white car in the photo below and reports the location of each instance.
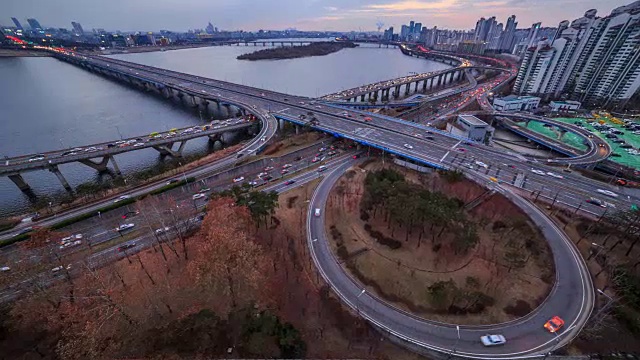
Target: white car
(408, 146)
(480, 163)
(123, 197)
(607, 192)
(161, 230)
(197, 196)
(125, 227)
(36, 158)
(4, 269)
(286, 166)
(317, 212)
(557, 176)
(493, 340)
(238, 179)
(539, 172)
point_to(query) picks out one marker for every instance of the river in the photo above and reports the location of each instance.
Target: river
(47, 104)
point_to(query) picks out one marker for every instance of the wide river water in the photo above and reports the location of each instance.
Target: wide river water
(46, 104)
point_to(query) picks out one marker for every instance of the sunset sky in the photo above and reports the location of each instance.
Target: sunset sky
(340, 15)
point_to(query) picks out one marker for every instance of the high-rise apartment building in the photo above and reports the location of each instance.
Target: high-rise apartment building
(611, 72)
(77, 28)
(593, 60)
(404, 32)
(34, 24)
(417, 28)
(17, 23)
(507, 38)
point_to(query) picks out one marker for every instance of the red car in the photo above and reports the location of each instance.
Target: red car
(554, 324)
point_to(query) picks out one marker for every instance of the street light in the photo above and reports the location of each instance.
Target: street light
(599, 251)
(558, 341)
(611, 300)
(456, 344)
(358, 301)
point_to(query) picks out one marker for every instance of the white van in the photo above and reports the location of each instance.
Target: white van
(317, 212)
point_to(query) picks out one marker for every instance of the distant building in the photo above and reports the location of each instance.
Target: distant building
(564, 105)
(471, 127)
(472, 47)
(404, 32)
(507, 39)
(77, 28)
(516, 103)
(35, 25)
(593, 60)
(388, 34)
(17, 23)
(210, 29)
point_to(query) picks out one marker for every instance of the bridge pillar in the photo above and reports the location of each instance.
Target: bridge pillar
(167, 149)
(407, 89)
(424, 85)
(115, 165)
(280, 124)
(166, 92)
(362, 98)
(297, 129)
(99, 166)
(19, 181)
(194, 101)
(416, 89)
(396, 92)
(54, 169)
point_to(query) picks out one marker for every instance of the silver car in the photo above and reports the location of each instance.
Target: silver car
(493, 340)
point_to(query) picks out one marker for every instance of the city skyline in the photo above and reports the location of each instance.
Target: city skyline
(320, 15)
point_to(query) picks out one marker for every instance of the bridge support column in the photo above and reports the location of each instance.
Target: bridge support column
(280, 124)
(396, 92)
(227, 108)
(362, 98)
(115, 165)
(416, 89)
(54, 169)
(424, 85)
(167, 93)
(168, 149)
(297, 129)
(407, 89)
(20, 183)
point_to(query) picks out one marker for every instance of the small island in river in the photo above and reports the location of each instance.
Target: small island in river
(292, 52)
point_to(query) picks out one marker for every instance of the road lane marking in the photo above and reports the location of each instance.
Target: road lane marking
(445, 155)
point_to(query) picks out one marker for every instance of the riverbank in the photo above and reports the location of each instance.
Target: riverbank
(294, 52)
(22, 53)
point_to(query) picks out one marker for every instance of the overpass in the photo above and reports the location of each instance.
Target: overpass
(599, 149)
(163, 142)
(573, 296)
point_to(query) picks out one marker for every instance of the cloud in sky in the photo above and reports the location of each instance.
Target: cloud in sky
(340, 15)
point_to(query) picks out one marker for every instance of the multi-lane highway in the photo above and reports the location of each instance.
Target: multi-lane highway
(572, 296)
(300, 169)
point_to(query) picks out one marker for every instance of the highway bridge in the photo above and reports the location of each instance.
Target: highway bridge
(573, 293)
(104, 152)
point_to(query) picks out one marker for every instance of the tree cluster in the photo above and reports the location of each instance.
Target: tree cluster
(158, 303)
(261, 204)
(292, 52)
(414, 208)
(447, 296)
